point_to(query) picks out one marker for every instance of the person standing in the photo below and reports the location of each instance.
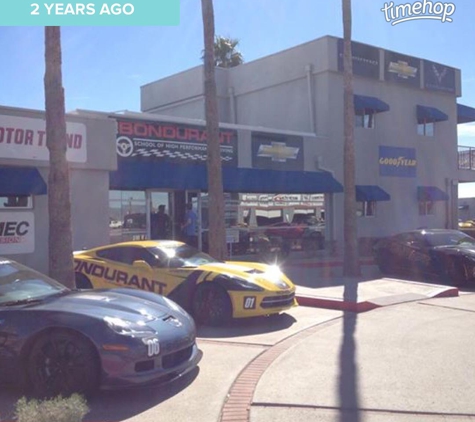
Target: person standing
(160, 224)
(189, 226)
(163, 223)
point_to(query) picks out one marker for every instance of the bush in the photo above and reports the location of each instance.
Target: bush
(59, 409)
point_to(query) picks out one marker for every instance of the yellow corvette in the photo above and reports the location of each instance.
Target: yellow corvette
(212, 291)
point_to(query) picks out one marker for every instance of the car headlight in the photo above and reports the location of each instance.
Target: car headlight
(128, 328)
(273, 272)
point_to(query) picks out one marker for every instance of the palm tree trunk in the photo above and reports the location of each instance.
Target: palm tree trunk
(59, 203)
(351, 265)
(217, 230)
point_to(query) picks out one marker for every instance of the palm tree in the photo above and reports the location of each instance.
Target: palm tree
(225, 52)
(59, 204)
(217, 230)
(351, 266)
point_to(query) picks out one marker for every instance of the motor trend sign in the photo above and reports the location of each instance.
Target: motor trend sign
(172, 142)
(25, 138)
(17, 232)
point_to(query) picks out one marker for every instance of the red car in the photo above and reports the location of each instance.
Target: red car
(297, 236)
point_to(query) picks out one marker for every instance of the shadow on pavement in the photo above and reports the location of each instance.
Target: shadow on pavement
(348, 379)
(248, 326)
(115, 405)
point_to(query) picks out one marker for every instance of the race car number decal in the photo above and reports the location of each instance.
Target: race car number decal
(249, 302)
(153, 347)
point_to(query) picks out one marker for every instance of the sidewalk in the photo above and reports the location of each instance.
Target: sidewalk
(406, 363)
(320, 284)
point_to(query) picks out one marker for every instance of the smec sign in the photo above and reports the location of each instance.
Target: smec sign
(17, 232)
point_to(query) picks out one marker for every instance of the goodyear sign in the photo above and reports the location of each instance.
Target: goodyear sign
(397, 162)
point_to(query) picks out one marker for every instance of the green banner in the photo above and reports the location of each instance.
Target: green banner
(90, 13)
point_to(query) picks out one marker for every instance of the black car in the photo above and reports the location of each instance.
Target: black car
(58, 341)
(446, 255)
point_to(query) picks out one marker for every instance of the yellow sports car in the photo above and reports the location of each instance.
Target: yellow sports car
(212, 291)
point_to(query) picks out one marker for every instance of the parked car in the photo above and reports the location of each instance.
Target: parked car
(211, 290)
(444, 255)
(298, 236)
(54, 340)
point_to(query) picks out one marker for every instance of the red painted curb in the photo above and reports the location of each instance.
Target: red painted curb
(336, 304)
(452, 292)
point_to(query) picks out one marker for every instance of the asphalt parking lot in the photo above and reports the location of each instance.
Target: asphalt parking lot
(199, 396)
(402, 362)
(410, 359)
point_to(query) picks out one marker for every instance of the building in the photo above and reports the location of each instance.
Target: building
(24, 163)
(281, 138)
(406, 124)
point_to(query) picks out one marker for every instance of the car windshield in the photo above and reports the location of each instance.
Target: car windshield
(448, 239)
(183, 256)
(19, 283)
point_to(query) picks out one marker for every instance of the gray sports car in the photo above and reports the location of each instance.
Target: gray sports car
(59, 341)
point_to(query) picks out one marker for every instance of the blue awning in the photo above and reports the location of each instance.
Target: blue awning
(431, 193)
(430, 114)
(152, 175)
(367, 193)
(465, 114)
(272, 181)
(19, 181)
(362, 102)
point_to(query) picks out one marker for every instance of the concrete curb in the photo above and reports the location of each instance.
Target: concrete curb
(340, 304)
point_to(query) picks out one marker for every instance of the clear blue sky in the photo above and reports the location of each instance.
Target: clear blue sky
(104, 67)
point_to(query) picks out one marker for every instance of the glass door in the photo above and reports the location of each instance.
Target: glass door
(161, 215)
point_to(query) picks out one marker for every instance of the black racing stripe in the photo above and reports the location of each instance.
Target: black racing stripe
(183, 294)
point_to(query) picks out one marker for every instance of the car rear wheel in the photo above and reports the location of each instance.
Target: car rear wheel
(212, 305)
(62, 362)
(382, 263)
(82, 282)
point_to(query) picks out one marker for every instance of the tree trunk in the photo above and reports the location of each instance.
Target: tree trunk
(217, 230)
(59, 203)
(351, 265)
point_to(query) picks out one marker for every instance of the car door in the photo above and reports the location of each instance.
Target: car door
(123, 266)
(416, 256)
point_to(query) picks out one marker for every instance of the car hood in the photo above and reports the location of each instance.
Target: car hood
(266, 276)
(101, 303)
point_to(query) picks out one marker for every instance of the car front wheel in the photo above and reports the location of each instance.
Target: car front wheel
(455, 272)
(62, 363)
(211, 305)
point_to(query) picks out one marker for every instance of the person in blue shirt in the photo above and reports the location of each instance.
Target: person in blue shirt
(189, 227)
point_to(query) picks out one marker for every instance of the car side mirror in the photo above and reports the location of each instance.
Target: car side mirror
(140, 264)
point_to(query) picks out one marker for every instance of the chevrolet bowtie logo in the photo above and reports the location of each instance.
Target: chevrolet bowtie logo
(278, 151)
(402, 69)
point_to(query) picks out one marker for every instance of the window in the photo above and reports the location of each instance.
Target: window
(425, 128)
(366, 208)
(364, 119)
(127, 255)
(20, 201)
(426, 208)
